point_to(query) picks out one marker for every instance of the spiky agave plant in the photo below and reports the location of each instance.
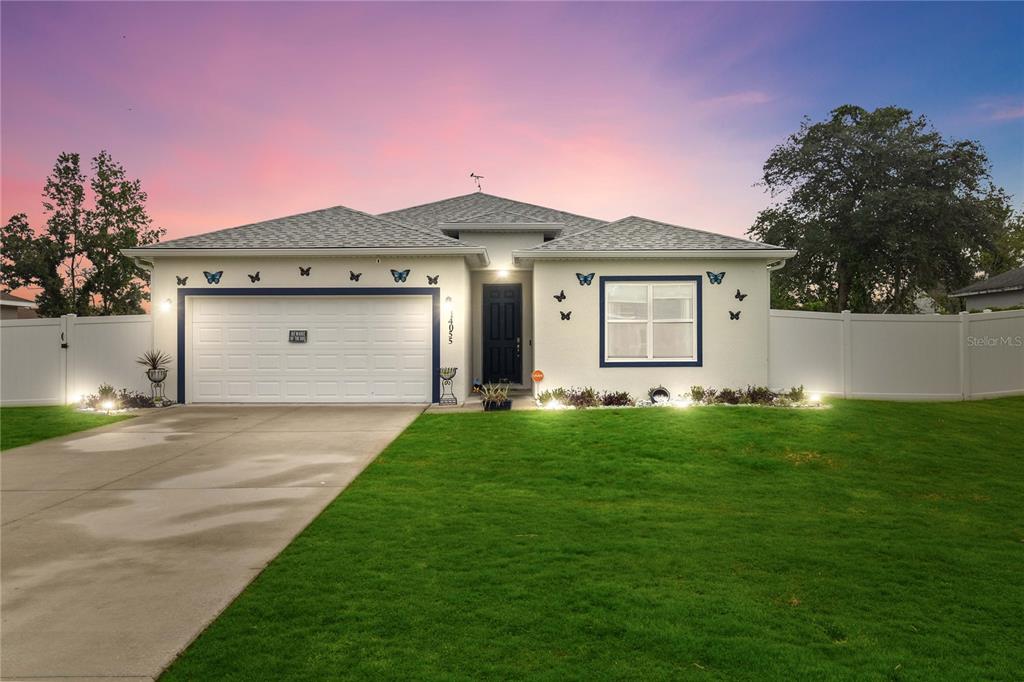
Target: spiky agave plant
(154, 359)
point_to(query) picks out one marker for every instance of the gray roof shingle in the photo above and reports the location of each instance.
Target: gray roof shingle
(641, 234)
(502, 217)
(468, 206)
(1011, 280)
(336, 227)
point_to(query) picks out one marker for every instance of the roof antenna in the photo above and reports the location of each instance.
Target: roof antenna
(478, 178)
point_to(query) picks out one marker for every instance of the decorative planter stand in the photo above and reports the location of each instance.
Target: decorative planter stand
(447, 396)
(156, 380)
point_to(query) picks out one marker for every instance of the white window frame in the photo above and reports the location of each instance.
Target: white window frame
(692, 283)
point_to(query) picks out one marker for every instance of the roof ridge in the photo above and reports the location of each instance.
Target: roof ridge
(495, 196)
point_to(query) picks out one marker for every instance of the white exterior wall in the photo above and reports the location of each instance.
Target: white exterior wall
(735, 352)
(898, 357)
(327, 272)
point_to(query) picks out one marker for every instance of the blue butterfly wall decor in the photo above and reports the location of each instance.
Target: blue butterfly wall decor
(715, 277)
(565, 316)
(585, 280)
(354, 276)
(255, 278)
(182, 281)
(734, 315)
(433, 280)
(304, 272)
(400, 275)
(213, 277)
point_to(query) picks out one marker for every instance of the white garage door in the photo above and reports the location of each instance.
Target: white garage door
(356, 349)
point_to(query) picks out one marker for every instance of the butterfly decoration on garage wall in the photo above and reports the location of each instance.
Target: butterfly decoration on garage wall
(213, 277)
(739, 296)
(354, 276)
(565, 315)
(255, 278)
(715, 277)
(304, 272)
(734, 315)
(433, 280)
(560, 296)
(400, 275)
(182, 281)
(585, 280)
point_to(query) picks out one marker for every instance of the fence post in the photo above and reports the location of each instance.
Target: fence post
(847, 352)
(965, 380)
(67, 364)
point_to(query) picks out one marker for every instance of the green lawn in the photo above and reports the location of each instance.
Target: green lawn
(24, 425)
(868, 541)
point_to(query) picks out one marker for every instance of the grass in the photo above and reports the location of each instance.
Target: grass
(24, 425)
(868, 541)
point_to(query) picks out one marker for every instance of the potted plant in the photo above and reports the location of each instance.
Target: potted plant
(155, 362)
(495, 397)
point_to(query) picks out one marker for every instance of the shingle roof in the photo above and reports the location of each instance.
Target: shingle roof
(337, 227)
(11, 298)
(1009, 280)
(502, 217)
(641, 234)
(467, 206)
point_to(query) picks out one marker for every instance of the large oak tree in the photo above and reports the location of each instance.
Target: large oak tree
(882, 208)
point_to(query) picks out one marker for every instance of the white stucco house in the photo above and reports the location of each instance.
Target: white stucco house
(337, 305)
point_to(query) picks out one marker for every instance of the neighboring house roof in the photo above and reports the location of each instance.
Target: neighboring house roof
(13, 301)
(330, 228)
(467, 207)
(1011, 280)
(642, 234)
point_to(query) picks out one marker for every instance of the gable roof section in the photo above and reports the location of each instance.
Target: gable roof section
(1011, 280)
(330, 228)
(637, 234)
(468, 206)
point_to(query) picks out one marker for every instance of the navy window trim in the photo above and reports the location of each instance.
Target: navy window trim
(697, 279)
(434, 293)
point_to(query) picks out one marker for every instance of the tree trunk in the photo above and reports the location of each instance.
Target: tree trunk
(843, 293)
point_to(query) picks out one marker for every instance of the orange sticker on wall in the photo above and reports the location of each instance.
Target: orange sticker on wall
(537, 375)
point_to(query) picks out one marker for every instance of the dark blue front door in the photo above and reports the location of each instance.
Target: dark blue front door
(503, 333)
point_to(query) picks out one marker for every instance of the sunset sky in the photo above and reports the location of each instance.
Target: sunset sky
(236, 112)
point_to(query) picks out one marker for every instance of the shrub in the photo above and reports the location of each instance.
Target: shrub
(556, 394)
(710, 396)
(796, 394)
(582, 397)
(728, 396)
(122, 399)
(616, 399)
(759, 395)
(697, 394)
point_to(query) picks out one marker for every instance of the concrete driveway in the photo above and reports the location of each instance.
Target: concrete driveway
(119, 545)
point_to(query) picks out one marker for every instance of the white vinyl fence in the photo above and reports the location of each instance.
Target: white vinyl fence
(898, 357)
(895, 357)
(52, 361)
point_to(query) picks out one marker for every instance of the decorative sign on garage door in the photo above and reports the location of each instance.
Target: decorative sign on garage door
(296, 336)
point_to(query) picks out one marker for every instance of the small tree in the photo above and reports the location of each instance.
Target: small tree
(77, 261)
(881, 209)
